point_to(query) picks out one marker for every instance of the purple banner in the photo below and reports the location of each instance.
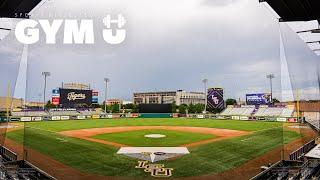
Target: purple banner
(258, 99)
(215, 98)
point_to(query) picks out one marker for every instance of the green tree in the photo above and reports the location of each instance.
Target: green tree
(231, 102)
(115, 108)
(49, 105)
(199, 108)
(96, 106)
(129, 106)
(183, 108)
(174, 107)
(134, 108)
(191, 108)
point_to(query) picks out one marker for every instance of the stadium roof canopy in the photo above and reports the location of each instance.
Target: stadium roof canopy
(296, 10)
(17, 8)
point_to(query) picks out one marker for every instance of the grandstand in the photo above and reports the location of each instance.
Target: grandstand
(54, 114)
(89, 113)
(13, 169)
(64, 113)
(29, 113)
(314, 122)
(310, 169)
(238, 111)
(304, 163)
(274, 112)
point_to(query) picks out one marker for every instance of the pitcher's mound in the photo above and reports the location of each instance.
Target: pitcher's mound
(154, 136)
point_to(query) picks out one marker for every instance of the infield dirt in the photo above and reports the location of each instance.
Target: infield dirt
(220, 134)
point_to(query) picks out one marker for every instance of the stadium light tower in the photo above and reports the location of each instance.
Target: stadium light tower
(45, 74)
(205, 81)
(270, 77)
(106, 80)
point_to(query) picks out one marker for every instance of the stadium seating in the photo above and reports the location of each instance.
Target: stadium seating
(226, 111)
(239, 111)
(89, 113)
(274, 112)
(261, 112)
(287, 112)
(64, 113)
(29, 113)
(313, 120)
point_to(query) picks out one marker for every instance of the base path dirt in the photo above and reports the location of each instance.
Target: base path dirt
(220, 134)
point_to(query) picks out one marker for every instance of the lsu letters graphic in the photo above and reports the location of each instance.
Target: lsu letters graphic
(155, 170)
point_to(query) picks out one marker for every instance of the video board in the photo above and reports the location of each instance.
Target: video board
(73, 98)
(258, 99)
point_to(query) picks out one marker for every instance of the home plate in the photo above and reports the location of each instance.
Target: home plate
(153, 154)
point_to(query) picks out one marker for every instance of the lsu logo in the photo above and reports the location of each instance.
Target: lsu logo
(156, 170)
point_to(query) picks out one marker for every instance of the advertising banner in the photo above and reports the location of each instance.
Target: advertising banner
(36, 118)
(55, 93)
(215, 98)
(244, 118)
(95, 116)
(94, 100)
(25, 119)
(55, 100)
(81, 117)
(95, 95)
(72, 98)
(258, 99)
(65, 117)
(55, 118)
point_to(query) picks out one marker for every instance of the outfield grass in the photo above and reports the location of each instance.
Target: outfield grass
(137, 139)
(102, 159)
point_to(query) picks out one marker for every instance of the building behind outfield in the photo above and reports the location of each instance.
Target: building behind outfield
(168, 97)
(10, 103)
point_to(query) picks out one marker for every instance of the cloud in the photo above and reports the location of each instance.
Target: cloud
(169, 46)
(220, 3)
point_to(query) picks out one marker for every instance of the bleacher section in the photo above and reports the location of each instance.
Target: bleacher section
(89, 113)
(237, 111)
(313, 119)
(262, 113)
(13, 169)
(64, 113)
(314, 122)
(287, 112)
(29, 113)
(274, 112)
(304, 163)
(53, 113)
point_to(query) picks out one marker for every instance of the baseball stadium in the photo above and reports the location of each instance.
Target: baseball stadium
(65, 112)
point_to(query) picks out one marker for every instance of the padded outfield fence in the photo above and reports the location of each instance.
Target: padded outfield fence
(153, 115)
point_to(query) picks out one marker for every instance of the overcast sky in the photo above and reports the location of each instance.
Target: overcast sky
(170, 45)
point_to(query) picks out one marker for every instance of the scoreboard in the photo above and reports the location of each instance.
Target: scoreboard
(75, 98)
